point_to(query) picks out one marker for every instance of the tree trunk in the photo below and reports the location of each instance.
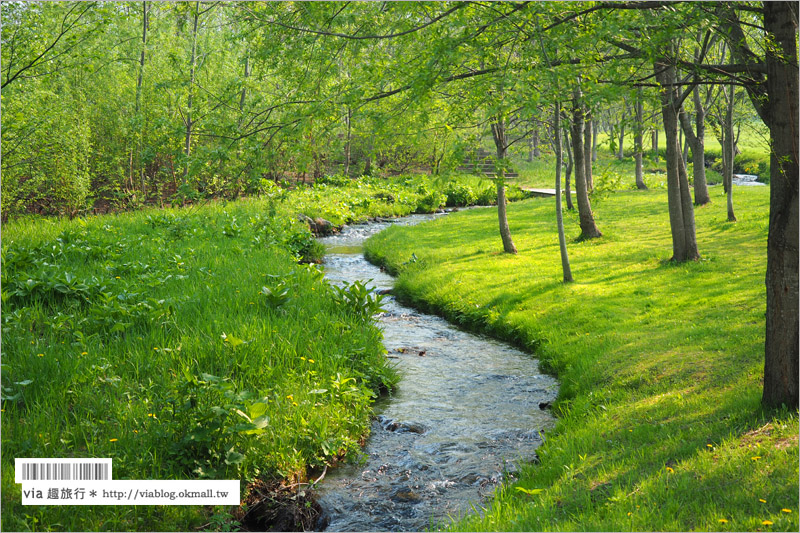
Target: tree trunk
(139, 81)
(535, 138)
(562, 240)
(781, 348)
(696, 140)
(729, 152)
(140, 78)
(654, 137)
(348, 117)
(594, 140)
(587, 142)
(681, 212)
(499, 136)
(244, 89)
(189, 122)
(588, 227)
(637, 140)
(567, 190)
(621, 153)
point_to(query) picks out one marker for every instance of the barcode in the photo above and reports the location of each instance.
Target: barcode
(62, 470)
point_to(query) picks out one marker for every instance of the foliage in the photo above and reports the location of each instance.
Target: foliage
(459, 195)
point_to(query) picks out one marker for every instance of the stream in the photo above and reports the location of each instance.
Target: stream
(465, 413)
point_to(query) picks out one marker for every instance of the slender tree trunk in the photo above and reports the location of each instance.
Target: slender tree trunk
(638, 142)
(594, 140)
(682, 145)
(499, 136)
(139, 81)
(587, 142)
(621, 153)
(535, 138)
(243, 96)
(696, 140)
(586, 217)
(654, 138)
(681, 211)
(781, 348)
(729, 152)
(567, 190)
(189, 121)
(348, 118)
(562, 240)
(140, 78)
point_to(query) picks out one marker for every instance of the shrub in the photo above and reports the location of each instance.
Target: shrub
(459, 195)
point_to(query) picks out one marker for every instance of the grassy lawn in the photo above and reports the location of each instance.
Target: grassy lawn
(660, 425)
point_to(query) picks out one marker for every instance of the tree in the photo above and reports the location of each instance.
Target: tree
(562, 240)
(586, 217)
(681, 211)
(638, 147)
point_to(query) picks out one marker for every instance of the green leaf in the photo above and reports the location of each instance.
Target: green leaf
(530, 491)
(233, 458)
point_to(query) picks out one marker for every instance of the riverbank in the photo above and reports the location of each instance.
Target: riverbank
(660, 425)
(189, 343)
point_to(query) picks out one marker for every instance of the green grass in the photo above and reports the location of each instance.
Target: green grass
(141, 336)
(659, 419)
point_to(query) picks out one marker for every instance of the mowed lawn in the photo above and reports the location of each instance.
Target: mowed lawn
(660, 364)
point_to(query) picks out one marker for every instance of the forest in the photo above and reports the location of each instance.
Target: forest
(168, 167)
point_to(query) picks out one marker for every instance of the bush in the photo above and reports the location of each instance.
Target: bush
(486, 196)
(459, 195)
(430, 202)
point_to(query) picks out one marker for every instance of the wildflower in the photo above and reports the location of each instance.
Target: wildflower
(756, 458)
(722, 521)
(116, 277)
(84, 353)
(670, 470)
(786, 510)
(40, 354)
(708, 445)
(310, 360)
(762, 500)
(629, 513)
(112, 440)
(766, 523)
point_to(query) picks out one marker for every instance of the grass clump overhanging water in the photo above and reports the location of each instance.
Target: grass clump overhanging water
(183, 344)
(659, 419)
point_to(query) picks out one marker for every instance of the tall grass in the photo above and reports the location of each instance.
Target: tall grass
(182, 344)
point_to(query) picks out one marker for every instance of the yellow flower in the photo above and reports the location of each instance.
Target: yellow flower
(756, 458)
(40, 354)
(112, 440)
(670, 470)
(766, 523)
(722, 521)
(762, 500)
(310, 360)
(84, 353)
(710, 446)
(117, 277)
(786, 510)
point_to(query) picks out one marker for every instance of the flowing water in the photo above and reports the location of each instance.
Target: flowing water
(465, 413)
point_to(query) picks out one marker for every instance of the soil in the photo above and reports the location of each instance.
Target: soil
(275, 506)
